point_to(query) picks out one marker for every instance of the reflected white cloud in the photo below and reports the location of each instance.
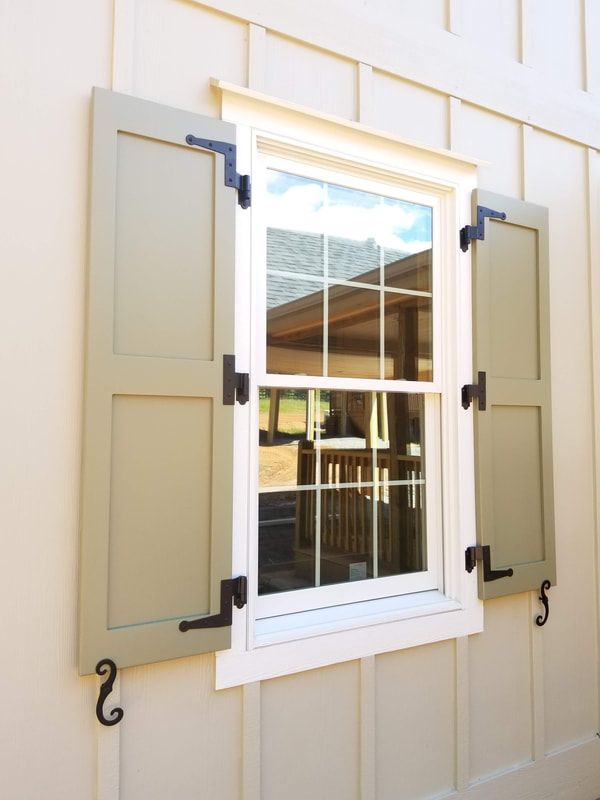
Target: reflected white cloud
(299, 204)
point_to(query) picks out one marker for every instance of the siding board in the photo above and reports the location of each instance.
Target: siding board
(310, 735)
(311, 77)
(409, 110)
(416, 722)
(179, 738)
(179, 47)
(500, 689)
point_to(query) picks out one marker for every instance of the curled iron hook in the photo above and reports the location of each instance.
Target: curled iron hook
(542, 619)
(116, 714)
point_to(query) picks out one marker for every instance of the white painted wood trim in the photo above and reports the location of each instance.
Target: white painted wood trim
(257, 57)
(277, 103)
(451, 65)
(462, 712)
(367, 728)
(123, 46)
(251, 741)
(109, 746)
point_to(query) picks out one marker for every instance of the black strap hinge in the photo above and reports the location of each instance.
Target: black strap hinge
(236, 385)
(481, 553)
(232, 177)
(470, 232)
(475, 390)
(234, 592)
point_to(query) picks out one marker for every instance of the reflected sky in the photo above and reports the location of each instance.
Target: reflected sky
(300, 204)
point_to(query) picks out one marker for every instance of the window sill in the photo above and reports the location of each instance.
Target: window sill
(311, 639)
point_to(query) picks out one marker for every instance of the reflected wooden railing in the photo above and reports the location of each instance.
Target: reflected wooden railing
(347, 514)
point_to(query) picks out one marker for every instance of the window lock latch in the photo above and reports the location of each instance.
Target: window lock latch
(234, 592)
(481, 553)
(470, 391)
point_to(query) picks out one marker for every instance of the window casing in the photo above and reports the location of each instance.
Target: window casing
(287, 631)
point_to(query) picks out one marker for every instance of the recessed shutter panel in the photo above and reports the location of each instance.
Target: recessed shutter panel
(513, 435)
(158, 442)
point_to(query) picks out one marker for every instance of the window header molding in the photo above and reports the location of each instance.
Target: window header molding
(242, 105)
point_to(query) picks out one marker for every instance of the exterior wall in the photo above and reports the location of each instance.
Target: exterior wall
(516, 83)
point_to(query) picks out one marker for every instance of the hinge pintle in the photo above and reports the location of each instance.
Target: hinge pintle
(478, 390)
(232, 177)
(236, 385)
(470, 232)
(481, 553)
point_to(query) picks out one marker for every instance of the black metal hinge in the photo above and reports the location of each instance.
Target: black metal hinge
(481, 553)
(234, 592)
(478, 390)
(236, 385)
(470, 232)
(232, 177)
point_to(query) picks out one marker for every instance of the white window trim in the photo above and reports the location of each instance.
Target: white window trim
(290, 643)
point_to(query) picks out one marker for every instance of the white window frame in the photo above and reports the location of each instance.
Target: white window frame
(374, 621)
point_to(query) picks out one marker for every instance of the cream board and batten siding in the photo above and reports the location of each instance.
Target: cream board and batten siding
(509, 695)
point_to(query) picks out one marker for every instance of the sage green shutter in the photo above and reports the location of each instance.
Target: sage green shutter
(513, 436)
(156, 514)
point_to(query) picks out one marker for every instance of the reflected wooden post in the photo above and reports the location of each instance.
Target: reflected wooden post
(311, 399)
(273, 415)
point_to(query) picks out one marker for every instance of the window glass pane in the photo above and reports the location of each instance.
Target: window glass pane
(365, 518)
(286, 430)
(322, 237)
(294, 326)
(354, 332)
(408, 338)
(286, 541)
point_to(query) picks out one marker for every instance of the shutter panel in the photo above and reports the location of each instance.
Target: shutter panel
(156, 513)
(513, 436)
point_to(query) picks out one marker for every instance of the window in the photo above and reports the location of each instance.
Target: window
(353, 541)
(349, 479)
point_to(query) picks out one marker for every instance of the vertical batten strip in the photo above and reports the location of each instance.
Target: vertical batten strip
(453, 17)
(536, 655)
(257, 57)
(526, 137)
(586, 46)
(108, 753)
(367, 728)
(462, 765)
(526, 26)
(536, 651)
(454, 106)
(593, 232)
(364, 104)
(123, 46)
(251, 741)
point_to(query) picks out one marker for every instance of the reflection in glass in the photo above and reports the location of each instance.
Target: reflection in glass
(408, 338)
(362, 451)
(353, 332)
(411, 272)
(294, 326)
(286, 541)
(327, 236)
